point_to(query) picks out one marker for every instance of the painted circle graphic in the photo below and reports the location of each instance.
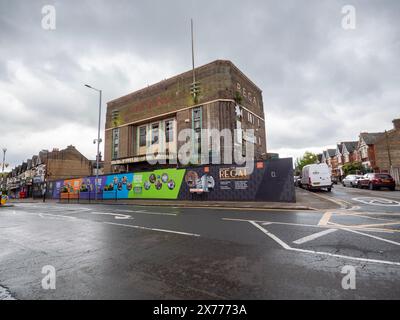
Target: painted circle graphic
(164, 177)
(147, 185)
(191, 179)
(152, 178)
(171, 184)
(158, 185)
(129, 186)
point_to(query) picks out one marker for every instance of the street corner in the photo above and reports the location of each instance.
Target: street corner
(349, 240)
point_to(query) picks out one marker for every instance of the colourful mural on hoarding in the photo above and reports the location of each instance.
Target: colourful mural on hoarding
(158, 184)
(117, 186)
(88, 186)
(270, 180)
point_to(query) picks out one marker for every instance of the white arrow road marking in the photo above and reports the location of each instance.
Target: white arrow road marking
(287, 247)
(153, 229)
(314, 236)
(116, 215)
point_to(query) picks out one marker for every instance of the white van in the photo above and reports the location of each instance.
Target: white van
(316, 176)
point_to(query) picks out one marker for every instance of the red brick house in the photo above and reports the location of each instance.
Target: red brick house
(366, 150)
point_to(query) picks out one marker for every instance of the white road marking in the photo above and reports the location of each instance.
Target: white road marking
(287, 247)
(374, 237)
(314, 236)
(311, 225)
(147, 212)
(272, 236)
(153, 229)
(115, 215)
(394, 223)
(354, 208)
(42, 215)
(377, 201)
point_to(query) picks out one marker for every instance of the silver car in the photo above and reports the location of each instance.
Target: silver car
(351, 180)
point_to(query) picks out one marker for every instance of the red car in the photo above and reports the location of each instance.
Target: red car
(377, 181)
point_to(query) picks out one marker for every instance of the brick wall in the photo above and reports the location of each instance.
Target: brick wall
(381, 150)
(218, 80)
(67, 163)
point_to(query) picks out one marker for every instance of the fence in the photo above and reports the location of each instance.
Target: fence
(270, 180)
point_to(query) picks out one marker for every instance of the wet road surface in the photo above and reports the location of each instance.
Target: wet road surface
(143, 252)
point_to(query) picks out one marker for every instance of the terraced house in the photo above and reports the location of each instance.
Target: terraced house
(346, 152)
(153, 117)
(366, 149)
(329, 157)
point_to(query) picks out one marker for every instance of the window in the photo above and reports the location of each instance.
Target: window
(142, 136)
(196, 117)
(239, 133)
(154, 133)
(364, 152)
(169, 131)
(115, 143)
(250, 118)
(383, 176)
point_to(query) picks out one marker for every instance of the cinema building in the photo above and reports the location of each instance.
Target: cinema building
(225, 98)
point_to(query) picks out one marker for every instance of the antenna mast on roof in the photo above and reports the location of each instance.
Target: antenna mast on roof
(191, 29)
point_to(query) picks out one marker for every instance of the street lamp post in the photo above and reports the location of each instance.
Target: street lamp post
(98, 140)
(2, 170)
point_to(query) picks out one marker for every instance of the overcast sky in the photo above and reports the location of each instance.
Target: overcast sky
(321, 83)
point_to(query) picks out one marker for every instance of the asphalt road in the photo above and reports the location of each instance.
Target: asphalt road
(133, 252)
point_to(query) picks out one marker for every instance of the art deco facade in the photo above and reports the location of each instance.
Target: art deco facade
(154, 116)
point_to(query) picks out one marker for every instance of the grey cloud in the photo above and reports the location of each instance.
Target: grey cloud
(322, 83)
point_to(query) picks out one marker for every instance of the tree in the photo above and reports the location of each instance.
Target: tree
(353, 168)
(307, 158)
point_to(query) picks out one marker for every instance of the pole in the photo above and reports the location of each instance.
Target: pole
(98, 141)
(98, 148)
(2, 170)
(45, 176)
(191, 29)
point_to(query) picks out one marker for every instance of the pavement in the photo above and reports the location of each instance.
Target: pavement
(303, 202)
(133, 251)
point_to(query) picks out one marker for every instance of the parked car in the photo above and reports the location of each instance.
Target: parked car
(316, 176)
(377, 181)
(351, 180)
(297, 181)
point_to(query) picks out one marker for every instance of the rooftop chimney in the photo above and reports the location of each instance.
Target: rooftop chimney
(396, 124)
